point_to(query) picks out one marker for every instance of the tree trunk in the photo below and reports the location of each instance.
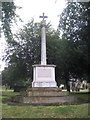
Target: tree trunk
(67, 81)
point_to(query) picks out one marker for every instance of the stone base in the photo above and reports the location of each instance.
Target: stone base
(44, 92)
(43, 96)
(45, 100)
(44, 76)
(44, 84)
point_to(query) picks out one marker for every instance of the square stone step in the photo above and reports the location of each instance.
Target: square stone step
(44, 100)
(44, 92)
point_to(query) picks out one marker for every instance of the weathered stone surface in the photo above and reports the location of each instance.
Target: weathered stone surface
(44, 92)
(43, 96)
(45, 100)
(48, 96)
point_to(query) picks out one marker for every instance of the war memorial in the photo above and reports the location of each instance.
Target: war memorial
(44, 89)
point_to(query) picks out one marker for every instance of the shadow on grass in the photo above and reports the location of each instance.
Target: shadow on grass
(7, 94)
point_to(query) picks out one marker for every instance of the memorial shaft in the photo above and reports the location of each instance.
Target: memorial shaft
(43, 74)
(43, 41)
(43, 44)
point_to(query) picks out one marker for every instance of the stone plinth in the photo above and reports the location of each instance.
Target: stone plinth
(45, 100)
(44, 92)
(42, 96)
(44, 76)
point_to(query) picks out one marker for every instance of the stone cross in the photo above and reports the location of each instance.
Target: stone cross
(43, 17)
(43, 42)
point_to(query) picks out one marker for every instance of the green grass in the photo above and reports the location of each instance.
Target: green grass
(81, 91)
(62, 111)
(83, 97)
(6, 95)
(65, 111)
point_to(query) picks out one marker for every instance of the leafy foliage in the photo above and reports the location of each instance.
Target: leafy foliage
(8, 17)
(24, 51)
(74, 22)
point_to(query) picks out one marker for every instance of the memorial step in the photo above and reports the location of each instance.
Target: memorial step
(43, 100)
(43, 92)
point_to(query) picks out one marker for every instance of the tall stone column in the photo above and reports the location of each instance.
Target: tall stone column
(43, 44)
(43, 74)
(43, 41)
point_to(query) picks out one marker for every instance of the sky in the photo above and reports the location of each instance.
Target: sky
(34, 9)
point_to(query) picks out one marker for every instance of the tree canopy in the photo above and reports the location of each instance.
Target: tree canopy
(8, 17)
(24, 50)
(75, 24)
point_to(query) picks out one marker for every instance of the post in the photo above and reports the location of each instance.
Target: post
(43, 42)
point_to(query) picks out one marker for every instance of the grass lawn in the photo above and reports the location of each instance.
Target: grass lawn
(62, 111)
(6, 94)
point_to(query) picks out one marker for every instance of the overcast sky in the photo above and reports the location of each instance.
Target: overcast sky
(34, 9)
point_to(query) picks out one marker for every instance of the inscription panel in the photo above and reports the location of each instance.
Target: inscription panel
(43, 72)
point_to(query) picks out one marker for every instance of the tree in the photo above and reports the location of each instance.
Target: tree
(8, 16)
(24, 50)
(14, 75)
(74, 22)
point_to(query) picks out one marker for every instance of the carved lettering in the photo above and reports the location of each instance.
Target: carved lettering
(44, 73)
